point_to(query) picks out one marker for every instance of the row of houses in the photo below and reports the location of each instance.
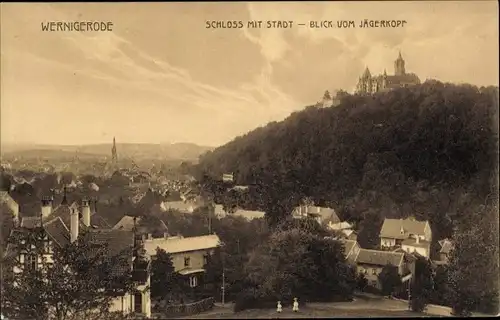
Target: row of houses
(67, 223)
(402, 241)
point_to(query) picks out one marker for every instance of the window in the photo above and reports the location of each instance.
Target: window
(31, 262)
(193, 281)
(187, 261)
(374, 271)
(138, 302)
(205, 259)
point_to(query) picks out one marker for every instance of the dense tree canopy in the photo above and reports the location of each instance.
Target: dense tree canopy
(297, 263)
(424, 150)
(68, 288)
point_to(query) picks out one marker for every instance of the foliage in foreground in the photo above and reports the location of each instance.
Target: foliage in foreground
(296, 263)
(80, 283)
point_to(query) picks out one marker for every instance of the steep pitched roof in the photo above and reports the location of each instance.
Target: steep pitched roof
(392, 228)
(446, 246)
(348, 245)
(31, 222)
(127, 223)
(58, 231)
(116, 240)
(379, 258)
(180, 244)
(98, 221)
(325, 214)
(54, 228)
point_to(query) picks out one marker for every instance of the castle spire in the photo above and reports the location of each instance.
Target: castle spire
(399, 65)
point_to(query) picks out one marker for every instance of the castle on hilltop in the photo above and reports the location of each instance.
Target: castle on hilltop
(370, 84)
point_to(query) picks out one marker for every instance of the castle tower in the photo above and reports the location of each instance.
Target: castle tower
(384, 79)
(114, 155)
(399, 66)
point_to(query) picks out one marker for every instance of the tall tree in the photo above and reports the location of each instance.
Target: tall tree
(389, 279)
(165, 282)
(422, 286)
(473, 263)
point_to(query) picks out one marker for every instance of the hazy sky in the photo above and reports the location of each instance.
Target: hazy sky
(161, 76)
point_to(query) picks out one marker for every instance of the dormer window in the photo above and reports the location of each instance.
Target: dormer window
(187, 262)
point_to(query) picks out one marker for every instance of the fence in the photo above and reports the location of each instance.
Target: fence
(189, 308)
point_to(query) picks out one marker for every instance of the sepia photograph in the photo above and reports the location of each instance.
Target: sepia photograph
(249, 160)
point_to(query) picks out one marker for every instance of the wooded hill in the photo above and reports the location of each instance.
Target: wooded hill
(428, 151)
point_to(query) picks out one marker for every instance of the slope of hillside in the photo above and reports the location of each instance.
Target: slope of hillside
(417, 150)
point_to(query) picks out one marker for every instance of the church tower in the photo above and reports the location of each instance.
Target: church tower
(114, 155)
(399, 66)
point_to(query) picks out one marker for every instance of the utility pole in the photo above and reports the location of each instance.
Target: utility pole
(210, 208)
(223, 277)
(223, 287)
(409, 293)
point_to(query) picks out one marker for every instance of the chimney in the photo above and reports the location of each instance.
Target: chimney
(165, 235)
(150, 236)
(417, 239)
(86, 212)
(318, 209)
(17, 220)
(74, 224)
(46, 207)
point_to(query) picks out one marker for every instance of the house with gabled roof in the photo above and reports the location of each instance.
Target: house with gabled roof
(371, 262)
(51, 228)
(410, 234)
(219, 212)
(189, 255)
(321, 214)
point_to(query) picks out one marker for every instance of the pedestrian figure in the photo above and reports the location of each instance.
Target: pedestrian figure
(279, 308)
(295, 305)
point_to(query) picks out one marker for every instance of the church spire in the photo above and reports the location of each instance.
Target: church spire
(114, 155)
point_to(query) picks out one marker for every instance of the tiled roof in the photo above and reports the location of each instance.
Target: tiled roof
(326, 214)
(348, 245)
(118, 243)
(7, 199)
(379, 258)
(98, 221)
(392, 228)
(340, 226)
(116, 240)
(127, 223)
(54, 228)
(58, 231)
(31, 222)
(177, 245)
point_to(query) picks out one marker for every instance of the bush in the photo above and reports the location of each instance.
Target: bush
(250, 299)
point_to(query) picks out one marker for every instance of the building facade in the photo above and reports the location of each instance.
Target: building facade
(368, 84)
(189, 255)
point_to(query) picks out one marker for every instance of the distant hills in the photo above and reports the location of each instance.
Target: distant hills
(175, 151)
